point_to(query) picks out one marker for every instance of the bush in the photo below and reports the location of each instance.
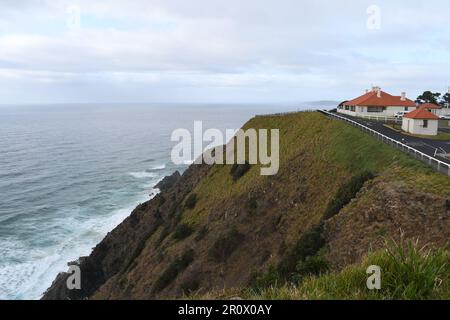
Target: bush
(172, 271)
(252, 203)
(238, 170)
(308, 245)
(346, 193)
(201, 233)
(310, 266)
(164, 233)
(191, 201)
(182, 231)
(190, 286)
(225, 245)
(270, 278)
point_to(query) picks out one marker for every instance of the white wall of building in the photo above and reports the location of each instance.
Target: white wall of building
(415, 126)
(363, 111)
(441, 112)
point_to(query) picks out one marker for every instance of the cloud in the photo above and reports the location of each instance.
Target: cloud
(230, 50)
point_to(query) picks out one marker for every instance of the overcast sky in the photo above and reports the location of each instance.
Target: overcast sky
(220, 51)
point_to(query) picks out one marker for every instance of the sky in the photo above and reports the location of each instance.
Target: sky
(223, 51)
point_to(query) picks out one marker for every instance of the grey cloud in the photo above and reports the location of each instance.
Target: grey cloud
(271, 50)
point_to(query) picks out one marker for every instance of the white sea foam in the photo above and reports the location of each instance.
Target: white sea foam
(29, 278)
(142, 174)
(159, 167)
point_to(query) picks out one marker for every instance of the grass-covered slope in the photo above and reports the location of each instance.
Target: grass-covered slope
(407, 272)
(338, 193)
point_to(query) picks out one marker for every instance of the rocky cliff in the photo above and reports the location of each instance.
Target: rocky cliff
(338, 194)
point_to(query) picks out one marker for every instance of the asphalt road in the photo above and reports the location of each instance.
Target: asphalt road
(427, 146)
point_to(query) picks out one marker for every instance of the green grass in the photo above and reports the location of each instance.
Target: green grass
(327, 153)
(407, 272)
(444, 124)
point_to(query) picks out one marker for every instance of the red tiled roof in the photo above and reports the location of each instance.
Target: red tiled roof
(421, 113)
(430, 106)
(385, 99)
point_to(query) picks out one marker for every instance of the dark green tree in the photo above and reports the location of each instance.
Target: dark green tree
(429, 97)
(445, 100)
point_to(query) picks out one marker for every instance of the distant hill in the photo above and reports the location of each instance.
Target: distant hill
(321, 104)
(339, 194)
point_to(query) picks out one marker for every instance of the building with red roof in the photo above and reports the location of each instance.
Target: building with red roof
(420, 121)
(433, 108)
(376, 102)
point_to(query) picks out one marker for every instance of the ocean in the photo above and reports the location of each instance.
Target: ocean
(70, 173)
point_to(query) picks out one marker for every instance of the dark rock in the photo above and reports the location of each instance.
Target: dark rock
(116, 253)
(168, 181)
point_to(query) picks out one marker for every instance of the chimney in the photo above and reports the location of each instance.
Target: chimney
(403, 98)
(378, 92)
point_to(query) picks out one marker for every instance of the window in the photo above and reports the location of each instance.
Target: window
(375, 109)
(425, 123)
(406, 108)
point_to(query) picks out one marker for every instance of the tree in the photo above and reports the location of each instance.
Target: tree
(445, 100)
(428, 97)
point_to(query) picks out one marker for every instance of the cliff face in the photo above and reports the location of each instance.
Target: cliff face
(213, 230)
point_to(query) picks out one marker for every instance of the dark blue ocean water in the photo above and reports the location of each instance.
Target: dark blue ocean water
(69, 174)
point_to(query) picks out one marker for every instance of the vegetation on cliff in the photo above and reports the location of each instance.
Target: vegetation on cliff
(408, 272)
(338, 194)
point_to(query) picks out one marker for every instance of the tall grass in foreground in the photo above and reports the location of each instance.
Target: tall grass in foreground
(407, 272)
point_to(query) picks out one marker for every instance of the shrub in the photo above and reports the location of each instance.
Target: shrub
(182, 231)
(308, 245)
(191, 201)
(252, 203)
(172, 271)
(201, 233)
(164, 233)
(238, 170)
(311, 265)
(346, 193)
(190, 286)
(225, 245)
(270, 278)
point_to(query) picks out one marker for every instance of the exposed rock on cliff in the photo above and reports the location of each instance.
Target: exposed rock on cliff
(168, 181)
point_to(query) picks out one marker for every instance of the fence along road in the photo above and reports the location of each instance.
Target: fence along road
(436, 164)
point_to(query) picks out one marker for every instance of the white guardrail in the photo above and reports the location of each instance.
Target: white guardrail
(436, 164)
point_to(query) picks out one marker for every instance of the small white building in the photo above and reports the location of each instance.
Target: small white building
(377, 103)
(420, 121)
(435, 109)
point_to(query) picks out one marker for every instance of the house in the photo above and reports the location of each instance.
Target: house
(420, 121)
(376, 102)
(435, 109)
